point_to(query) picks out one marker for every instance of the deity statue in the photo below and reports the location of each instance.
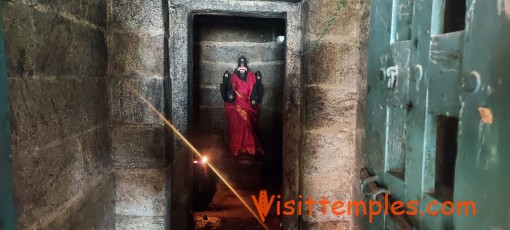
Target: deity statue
(242, 93)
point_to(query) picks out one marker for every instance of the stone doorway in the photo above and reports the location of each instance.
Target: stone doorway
(181, 109)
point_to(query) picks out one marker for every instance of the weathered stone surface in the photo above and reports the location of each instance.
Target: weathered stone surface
(127, 106)
(136, 15)
(136, 63)
(331, 106)
(93, 11)
(231, 29)
(179, 112)
(211, 96)
(334, 185)
(210, 73)
(140, 192)
(332, 63)
(275, 54)
(47, 110)
(94, 211)
(56, 59)
(346, 24)
(59, 172)
(139, 222)
(254, 52)
(138, 146)
(95, 153)
(328, 149)
(43, 170)
(44, 43)
(136, 54)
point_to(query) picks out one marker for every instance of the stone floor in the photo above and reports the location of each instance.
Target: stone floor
(226, 211)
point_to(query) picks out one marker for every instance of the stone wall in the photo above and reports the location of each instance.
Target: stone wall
(57, 61)
(334, 93)
(136, 37)
(219, 42)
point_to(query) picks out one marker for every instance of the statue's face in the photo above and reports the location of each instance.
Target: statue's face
(242, 68)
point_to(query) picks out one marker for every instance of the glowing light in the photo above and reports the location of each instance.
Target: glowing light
(195, 151)
(204, 160)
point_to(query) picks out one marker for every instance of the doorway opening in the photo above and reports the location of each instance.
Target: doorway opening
(218, 41)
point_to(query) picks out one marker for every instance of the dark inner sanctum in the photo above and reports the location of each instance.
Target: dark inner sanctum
(218, 43)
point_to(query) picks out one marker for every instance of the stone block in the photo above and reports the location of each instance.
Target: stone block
(49, 171)
(210, 73)
(136, 54)
(277, 53)
(44, 43)
(254, 52)
(219, 52)
(332, 63)
(346, 24)
(331, 107)
(138, 146)
(19, 48)
(140, 192)
(45, 110)
(76, 51)
(232, 29)
(94, 211)
(328, 150)
(140, 15)
(95, 156)
(139, 222)
(93, 11)
(127, 105)
(335, 186)
(97, 210)
(59, 172)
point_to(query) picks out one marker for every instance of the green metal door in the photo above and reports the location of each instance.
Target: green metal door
(7, 214)
(437, 126)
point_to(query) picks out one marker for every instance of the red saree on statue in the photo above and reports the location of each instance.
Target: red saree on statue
(242, 118)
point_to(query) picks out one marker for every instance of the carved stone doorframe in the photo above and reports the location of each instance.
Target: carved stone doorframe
(178, 93)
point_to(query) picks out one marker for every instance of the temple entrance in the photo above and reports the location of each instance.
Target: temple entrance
(218, 42)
